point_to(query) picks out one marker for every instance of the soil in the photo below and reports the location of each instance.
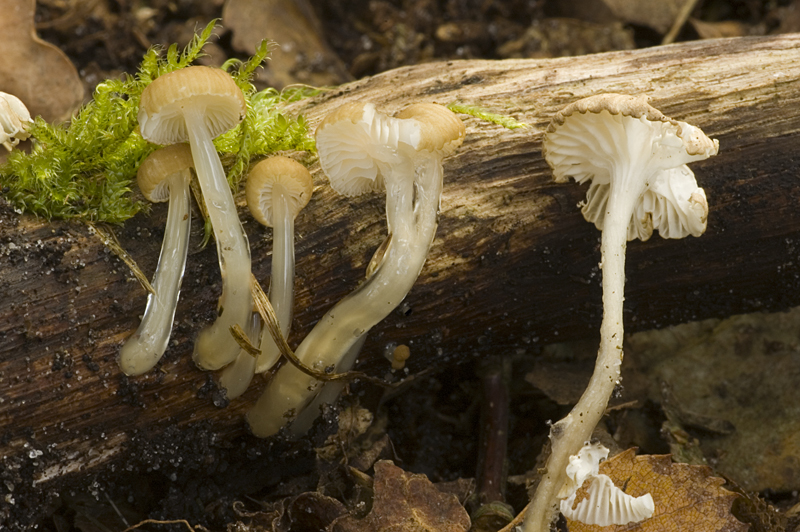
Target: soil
(433, 425)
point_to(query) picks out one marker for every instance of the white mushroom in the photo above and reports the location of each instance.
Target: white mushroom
(357, 148)
(605, 504)
(197, 104)
(277, 190)
(14, 116)
(622, 143)
(163, 176)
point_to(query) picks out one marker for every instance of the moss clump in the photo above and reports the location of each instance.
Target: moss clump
(480, 113)
(84, 170)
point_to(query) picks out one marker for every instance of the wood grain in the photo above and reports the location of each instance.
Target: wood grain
(513, 265)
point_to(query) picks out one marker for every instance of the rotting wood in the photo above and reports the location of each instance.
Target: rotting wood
(513, 264)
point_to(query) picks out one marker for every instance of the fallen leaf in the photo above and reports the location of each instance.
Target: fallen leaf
(33, 70)
(657, 15)
(302, 56)
(721, 29)
(407, 502)
(686, 497)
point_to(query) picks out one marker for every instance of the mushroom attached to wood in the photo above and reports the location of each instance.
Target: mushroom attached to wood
(359, 148)
(197, 104)
(636, 160)
(164, 176)
(277, 190)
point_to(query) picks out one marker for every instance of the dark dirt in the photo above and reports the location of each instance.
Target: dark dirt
(433, 425)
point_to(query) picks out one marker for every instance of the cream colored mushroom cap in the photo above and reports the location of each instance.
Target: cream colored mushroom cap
(357, 144)
(289, 174)
(580, 139)
(441, 130)
(163, 101)
(159, 166)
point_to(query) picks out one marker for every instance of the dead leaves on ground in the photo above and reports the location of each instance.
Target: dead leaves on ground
(686, 497)
(35, 71)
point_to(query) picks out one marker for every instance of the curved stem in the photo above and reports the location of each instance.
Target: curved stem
(215, 347)
(414, 226)
(147, 345)
(569, 434)
(328, 393)
(281, 286)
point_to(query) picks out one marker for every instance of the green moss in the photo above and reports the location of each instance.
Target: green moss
(482, 114)
(84, 170)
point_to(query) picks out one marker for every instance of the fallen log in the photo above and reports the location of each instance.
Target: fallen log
(513, 265)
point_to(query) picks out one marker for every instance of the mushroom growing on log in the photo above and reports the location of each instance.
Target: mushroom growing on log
(66, 306)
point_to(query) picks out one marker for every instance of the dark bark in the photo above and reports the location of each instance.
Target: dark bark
(513, 265)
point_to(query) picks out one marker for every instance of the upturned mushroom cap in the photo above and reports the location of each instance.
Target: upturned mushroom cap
(211, 89)
(357, 145)
(441, 131)
(158, 167)
(288, 173)
(592, 138)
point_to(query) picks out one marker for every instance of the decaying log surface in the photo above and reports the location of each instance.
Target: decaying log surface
(513, 263)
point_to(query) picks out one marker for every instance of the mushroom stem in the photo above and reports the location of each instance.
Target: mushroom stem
(236, 376)
(215, 347)
(568, 435)
(281, 286)
(413, 229)
(146, 346)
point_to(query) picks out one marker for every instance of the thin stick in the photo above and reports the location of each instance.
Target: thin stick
(680, 20)
(110, 241)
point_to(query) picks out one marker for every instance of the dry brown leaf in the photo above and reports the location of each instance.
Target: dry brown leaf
(406, 502)
(302, 56)
(721, 29)
(33, 70)
(657, 15)
(686, 497)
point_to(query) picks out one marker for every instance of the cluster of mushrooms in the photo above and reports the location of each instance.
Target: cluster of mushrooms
(633, 156)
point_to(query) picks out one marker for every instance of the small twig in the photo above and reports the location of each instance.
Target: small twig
(157, 522)
(680, 20)
(109, 239)
(208, 231)
(244, 342)
(264, 308)
(492, 467)
(114, 506)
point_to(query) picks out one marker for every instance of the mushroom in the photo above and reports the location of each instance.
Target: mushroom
(163, 176)
(14, 116)
(199, 103)
(635, 157)
(604, 504)
(277, 190)
(358, 149)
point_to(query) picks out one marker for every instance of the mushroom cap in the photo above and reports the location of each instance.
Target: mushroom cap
(595, 137)
(13, 117)
(159, 166)
(441, 131)
(212, 89)
(590, 137)
(288, 173)
(357, 145)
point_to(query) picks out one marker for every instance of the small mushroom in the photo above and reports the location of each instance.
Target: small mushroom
(605, 504)
(636, 160)
(277, 190)
(359, 148)
(163, 176)
(14, 116)
(197, 104)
